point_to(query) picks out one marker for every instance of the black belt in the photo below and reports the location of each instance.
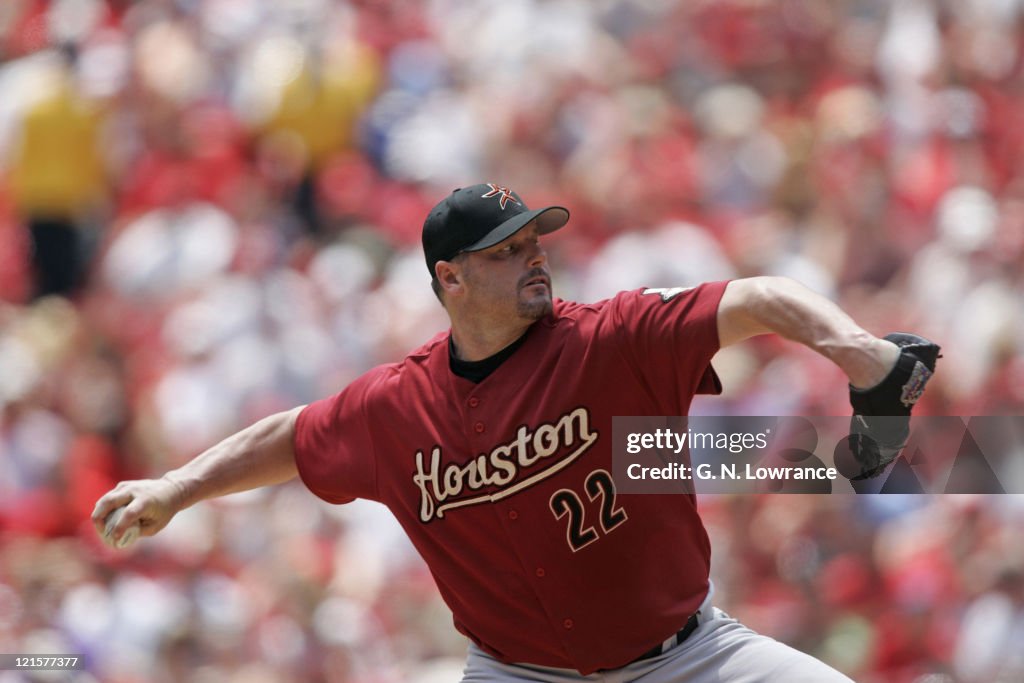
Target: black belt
(682, 634)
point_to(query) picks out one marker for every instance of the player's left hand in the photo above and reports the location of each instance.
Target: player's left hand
(881, 414)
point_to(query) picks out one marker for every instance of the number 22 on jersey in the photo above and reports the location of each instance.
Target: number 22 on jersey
(598, 486)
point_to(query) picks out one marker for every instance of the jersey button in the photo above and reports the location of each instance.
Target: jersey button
(479, 427)
(540, 572)
(474, 402)
(513, 515)
(567, 624)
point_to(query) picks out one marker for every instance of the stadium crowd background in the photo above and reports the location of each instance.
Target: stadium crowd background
(210, 210)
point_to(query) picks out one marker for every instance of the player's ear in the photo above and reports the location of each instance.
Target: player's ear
(449, 276)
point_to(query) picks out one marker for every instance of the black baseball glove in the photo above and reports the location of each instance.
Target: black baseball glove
(881, 415)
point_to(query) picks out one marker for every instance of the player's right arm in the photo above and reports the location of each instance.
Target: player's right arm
(259, 455)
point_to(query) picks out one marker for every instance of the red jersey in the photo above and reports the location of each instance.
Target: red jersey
(504, 487)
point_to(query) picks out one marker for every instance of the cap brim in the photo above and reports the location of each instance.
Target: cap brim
(549, 219)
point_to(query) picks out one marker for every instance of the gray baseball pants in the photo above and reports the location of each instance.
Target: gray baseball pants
(721, 650)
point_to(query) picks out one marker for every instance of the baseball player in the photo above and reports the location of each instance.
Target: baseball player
(491, 444)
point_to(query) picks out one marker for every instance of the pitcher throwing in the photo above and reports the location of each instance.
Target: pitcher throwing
(491, 445)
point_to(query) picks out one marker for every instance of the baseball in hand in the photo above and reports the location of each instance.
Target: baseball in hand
(127, 538)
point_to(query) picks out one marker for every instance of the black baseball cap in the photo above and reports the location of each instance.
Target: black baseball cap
(476, 217)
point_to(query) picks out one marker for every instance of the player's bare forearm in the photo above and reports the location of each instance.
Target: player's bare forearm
(259, 455)
(763, 305)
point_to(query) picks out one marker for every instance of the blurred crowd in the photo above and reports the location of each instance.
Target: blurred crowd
(210, 211)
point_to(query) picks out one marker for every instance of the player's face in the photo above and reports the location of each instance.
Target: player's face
(511, 277)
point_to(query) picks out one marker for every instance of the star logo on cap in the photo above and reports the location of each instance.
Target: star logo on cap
(503, 194)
